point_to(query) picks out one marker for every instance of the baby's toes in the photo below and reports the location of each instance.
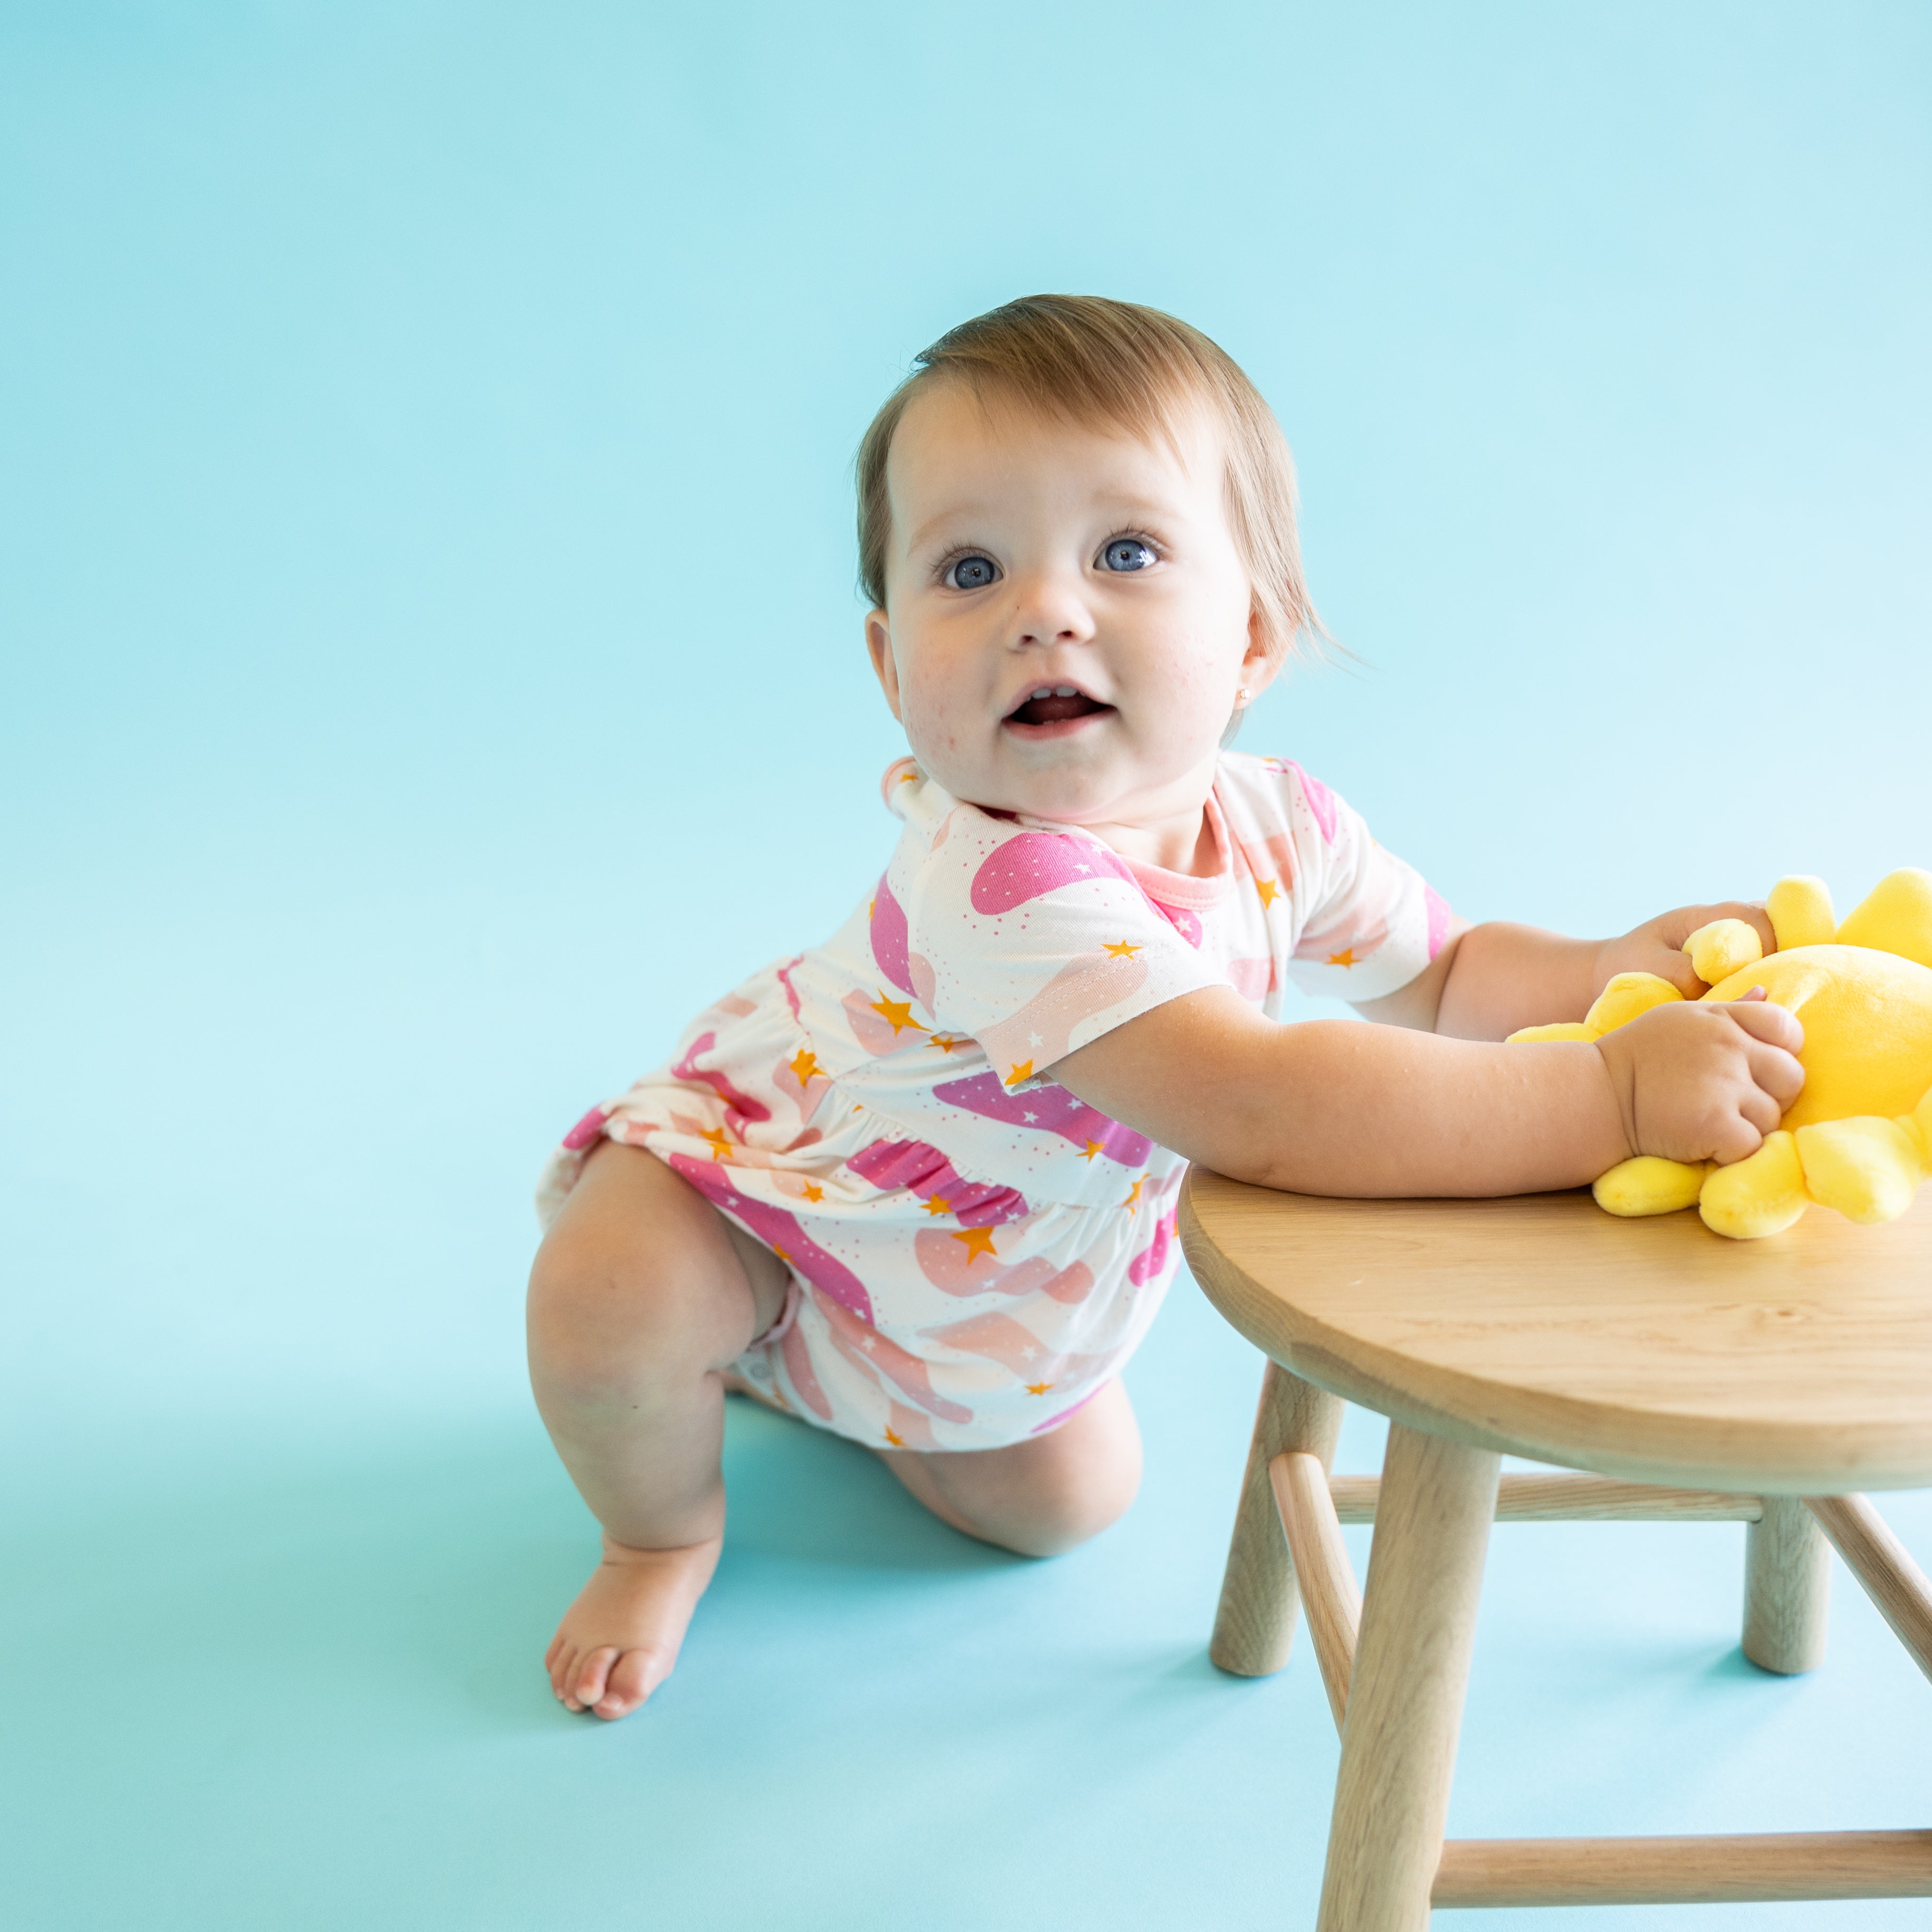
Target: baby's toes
(636, 1676)
(585, 1684)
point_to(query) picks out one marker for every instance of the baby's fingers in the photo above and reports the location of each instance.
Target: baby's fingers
(1742, 1131)
(1757, 1106)
(1764, 1020)
(1778, 1074)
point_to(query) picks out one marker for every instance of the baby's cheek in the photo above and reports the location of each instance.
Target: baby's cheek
(932, 724)
(1193, 704)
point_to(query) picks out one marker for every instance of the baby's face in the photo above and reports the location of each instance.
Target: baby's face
(1067, 620)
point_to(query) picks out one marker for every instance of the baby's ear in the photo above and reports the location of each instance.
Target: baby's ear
(1265, 651)
(885, 666)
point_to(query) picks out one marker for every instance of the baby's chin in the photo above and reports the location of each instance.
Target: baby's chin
(1064, 789)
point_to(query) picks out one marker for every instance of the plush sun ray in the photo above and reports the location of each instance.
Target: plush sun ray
(1859, 1138)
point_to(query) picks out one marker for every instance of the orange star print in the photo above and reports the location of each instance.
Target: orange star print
(978, 1241)
(898, 1014)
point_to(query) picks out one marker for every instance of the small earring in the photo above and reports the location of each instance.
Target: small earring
(1241, 696)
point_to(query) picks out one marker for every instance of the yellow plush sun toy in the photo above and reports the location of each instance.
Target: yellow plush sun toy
(1859, 1138)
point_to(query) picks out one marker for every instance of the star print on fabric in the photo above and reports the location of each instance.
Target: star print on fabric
(1093, 1148)
(813, 1192)
(898, 1013)
(1132, 1202)
(1024, 1071)
(805, 1066)
(897, 1441)
(1269, 890)
(721, 1143)
(939, 1204)
(1346, 957)
(1119, 948)
(780, 1253)
(1038, 1388)
(945, 1042)
(978, 1241)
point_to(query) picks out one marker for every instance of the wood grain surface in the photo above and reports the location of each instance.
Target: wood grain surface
(1322, 1571)
(1254, 1627)
(1738, 1870)
(1799, 1365)
(1405, 1697)
(1559, 1497)
(1875, 1556)
(1787, 1589)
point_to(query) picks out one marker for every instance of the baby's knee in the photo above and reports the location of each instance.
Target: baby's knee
(1097, 1502)
(602, 1319)
(1054, 1530)
(1069, 1505)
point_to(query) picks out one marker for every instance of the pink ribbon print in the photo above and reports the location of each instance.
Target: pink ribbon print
(1048, 1110)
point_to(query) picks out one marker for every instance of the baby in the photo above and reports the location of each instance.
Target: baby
(917, 1186)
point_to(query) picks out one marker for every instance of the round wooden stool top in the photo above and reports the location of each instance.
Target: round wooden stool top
(1799, 1365)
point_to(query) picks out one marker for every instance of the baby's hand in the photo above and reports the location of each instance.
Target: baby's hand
(1657, 946)
(1698, 1082)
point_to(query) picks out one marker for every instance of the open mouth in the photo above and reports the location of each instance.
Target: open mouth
(1049, 704)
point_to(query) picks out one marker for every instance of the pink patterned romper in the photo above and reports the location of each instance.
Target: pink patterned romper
(974, 1252)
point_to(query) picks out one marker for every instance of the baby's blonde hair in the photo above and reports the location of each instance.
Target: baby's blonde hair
(1115, 364)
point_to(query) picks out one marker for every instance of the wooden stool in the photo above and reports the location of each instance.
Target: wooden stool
(1695, 1379)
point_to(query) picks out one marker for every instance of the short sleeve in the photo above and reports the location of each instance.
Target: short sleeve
(1035, 942)
(1368, 923)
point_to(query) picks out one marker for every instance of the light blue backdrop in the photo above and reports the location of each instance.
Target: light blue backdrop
(431, 669)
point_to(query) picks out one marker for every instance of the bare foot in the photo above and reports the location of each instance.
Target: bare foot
(618, 1642)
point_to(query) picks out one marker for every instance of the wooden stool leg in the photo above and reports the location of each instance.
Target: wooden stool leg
(1432, 1522)
(1787, 1589)
(1255, 1625)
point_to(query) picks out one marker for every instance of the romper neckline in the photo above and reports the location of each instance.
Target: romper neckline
(1187, 892)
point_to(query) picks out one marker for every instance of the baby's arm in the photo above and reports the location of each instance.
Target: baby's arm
(1489, 980)
(1330, 1107)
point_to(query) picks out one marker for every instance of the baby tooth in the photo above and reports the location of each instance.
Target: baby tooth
(1065, 690)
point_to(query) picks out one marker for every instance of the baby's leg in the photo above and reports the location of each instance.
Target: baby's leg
(642, 1294)
(1039, 1498)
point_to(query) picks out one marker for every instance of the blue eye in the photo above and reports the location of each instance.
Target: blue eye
(1127, 553)
(972, 573)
